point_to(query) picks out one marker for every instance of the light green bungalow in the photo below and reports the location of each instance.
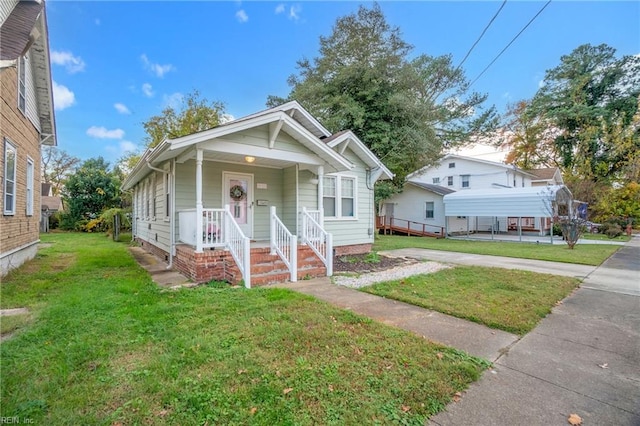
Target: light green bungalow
(268, 197)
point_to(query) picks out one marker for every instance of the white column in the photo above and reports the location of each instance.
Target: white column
(199, 201)
(320, 191)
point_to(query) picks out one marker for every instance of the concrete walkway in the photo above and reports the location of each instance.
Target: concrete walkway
(166, 278)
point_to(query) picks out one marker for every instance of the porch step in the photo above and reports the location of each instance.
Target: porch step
(267, 268)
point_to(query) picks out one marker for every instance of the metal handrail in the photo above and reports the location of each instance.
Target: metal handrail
(285, 244)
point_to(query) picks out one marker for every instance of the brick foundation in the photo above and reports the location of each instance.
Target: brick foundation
(353, 249)
(266, 268)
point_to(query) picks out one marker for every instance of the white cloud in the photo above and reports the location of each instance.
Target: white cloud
(157, 69)
(122, 148)
(121, 108)
(294, 12)
(507, 96)
(173, 100)
(62, 97)
(280, 9)
(72, 64)
(147, 89)
(225, 118)
(242, 16)
(103, 133)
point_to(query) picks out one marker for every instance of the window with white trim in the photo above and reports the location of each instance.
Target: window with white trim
(452, 165)
(436, 180)
(429, 209)
(22, 88)
(10, 155)
(339, 196)
(30, 169)
(464, 181)
(449, 180)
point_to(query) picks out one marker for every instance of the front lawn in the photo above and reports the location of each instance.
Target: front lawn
(510, 300)
(106, 346)
(584, 254)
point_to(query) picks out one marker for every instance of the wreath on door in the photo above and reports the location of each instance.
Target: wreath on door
(237, 193)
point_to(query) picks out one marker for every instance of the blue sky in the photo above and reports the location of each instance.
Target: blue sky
(117, 63)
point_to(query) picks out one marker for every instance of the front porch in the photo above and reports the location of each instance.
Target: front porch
(223, 252)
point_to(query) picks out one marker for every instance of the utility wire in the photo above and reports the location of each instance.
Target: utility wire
(481, 35)
(510, 43)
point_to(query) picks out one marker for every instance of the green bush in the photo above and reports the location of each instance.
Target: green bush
(611, 229)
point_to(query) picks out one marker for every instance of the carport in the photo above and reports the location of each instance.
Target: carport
(540, 203)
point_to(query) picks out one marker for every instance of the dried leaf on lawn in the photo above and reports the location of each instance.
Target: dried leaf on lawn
(575, 420)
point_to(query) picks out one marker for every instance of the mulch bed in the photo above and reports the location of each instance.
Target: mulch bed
(357, 263)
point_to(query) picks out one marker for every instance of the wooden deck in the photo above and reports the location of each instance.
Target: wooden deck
(393, 225)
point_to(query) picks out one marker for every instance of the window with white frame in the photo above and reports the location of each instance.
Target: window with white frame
(339, 196)
(145, 200)
(10, 155)
(22, 88)
(30, 169)
(429, 209)
(449, 180)
(464, 181)
(452, 165)
(436, 180)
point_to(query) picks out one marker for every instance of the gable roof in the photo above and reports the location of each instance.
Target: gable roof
(436, 189)
(25, 28)
(349, 139)
(546, 173)
(290, 117)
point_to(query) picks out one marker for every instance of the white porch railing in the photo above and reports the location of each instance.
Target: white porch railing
(219, 229)
(314, 235)
(284, 243)
(238, 244)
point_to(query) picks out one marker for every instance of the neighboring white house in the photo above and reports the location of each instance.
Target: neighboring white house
(422, 198)
(277, 177)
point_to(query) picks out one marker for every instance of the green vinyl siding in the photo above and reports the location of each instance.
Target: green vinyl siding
(155, 230)
(348, 231)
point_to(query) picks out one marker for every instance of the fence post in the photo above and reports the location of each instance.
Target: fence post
(246, 248)
(272, 229)
(329, 255)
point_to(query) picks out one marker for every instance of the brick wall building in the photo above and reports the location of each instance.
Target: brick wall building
(26, 123)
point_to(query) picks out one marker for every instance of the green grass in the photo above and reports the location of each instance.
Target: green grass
(602, 237)
(584, 254)
(9, 324)
(510, 300)
(107, 346)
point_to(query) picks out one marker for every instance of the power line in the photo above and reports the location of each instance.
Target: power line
(482, 34)
(510, 43)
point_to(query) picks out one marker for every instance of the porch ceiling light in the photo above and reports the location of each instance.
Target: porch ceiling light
(249, 159)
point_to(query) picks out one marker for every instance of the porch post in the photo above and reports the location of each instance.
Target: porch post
(320, 193)
(199, 201)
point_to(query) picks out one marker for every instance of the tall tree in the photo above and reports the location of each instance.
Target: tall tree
(91, 190)
(195, 115)
(57, 165)
(406, 111)
(529, 137)
(589, 97)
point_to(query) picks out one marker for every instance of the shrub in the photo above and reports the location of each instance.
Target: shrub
(611, 229)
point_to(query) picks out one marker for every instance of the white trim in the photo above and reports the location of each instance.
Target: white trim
(22, 84)
(247, 228)
(10, 146)
(30, 186)
(365, 153)
(338, 177)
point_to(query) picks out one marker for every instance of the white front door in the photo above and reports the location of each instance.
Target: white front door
(238, 194)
